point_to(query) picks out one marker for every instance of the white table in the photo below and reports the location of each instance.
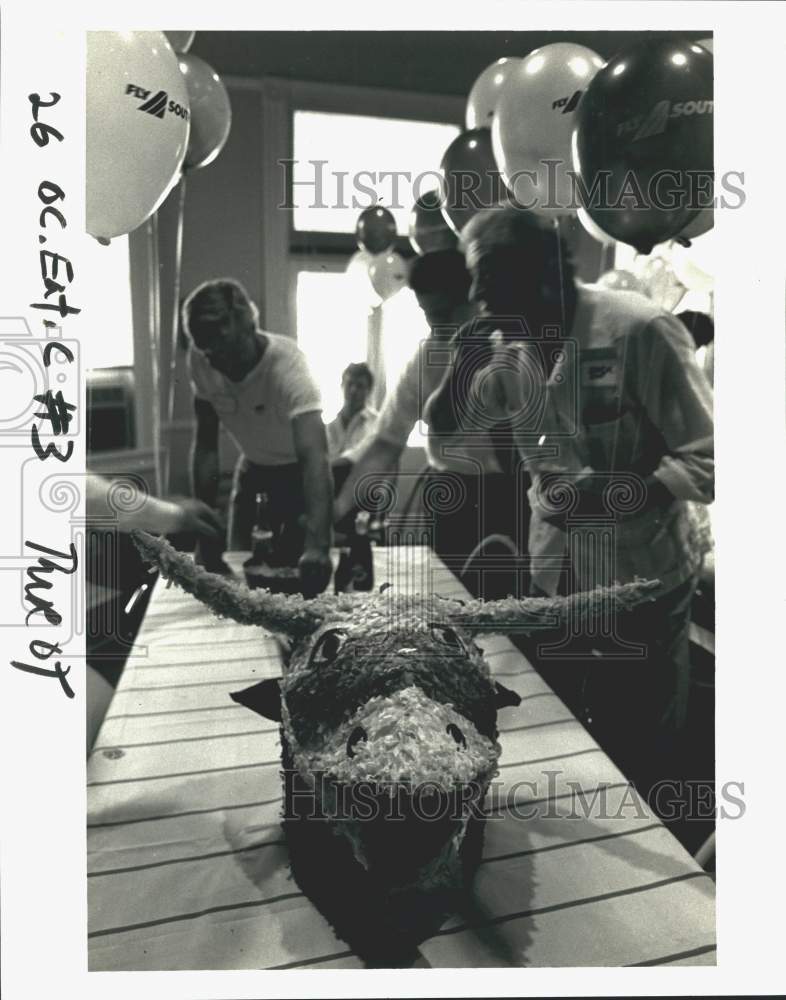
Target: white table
(188, 870)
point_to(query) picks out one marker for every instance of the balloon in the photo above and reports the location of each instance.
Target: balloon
(486, 90)
(646, 121)
(533, 124)
(376, 229)
(595, 231)
(705, 218)
(181, 41)
(472, 181)
(428, 230)
(622, 281)
(702, 222)
(358, 276)
(137, 128)
(388, 273)
(662, 284)
(211, 112)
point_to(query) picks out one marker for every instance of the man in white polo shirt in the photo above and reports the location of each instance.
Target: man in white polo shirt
(258, 385)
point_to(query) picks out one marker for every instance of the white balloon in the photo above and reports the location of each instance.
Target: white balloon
(534, 121)
(359, 287)
(137, 128)
(388, 273)
(486, 90)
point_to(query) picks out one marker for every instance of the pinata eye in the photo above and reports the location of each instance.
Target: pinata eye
(358, 735)
(327, 646)
(447, 635)
(457, 735)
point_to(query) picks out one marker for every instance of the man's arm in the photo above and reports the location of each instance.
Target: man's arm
(204, 453)
(449, 407)
(308, 434)
(150, 513)
(678, 399)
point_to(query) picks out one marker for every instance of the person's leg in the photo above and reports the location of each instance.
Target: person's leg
(284, 487)
(242, 505)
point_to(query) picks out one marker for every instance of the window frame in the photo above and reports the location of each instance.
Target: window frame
(280, 98)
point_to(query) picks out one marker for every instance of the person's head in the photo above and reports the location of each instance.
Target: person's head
(700, 326)
(221, 320)
(440, 281)
(520, 266)
(357, 382)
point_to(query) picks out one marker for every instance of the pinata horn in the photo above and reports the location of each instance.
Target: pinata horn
(535, 614)
(291, 615)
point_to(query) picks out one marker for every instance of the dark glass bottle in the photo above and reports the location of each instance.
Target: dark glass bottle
(262, 536)
(361, 558)
(343, 575)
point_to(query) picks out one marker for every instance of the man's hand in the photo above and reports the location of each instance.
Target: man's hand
(315, 569)
(195, 516)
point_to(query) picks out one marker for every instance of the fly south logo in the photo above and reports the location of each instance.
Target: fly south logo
(567, 104)
(655, 122)
(156, 104)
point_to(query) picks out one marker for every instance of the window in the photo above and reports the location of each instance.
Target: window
(108, 346)
(332, 327)
(108, 341)
(362, 160)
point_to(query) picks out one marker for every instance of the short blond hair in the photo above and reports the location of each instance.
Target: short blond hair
(221, 297)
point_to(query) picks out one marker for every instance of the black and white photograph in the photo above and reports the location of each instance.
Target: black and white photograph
(360, 431)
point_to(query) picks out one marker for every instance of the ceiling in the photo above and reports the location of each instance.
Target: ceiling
(436, 62)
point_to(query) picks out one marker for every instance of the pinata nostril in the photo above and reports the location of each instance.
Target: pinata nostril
(454, 731)
(358, 735)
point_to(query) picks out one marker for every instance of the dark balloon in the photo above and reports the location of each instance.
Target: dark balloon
(428, 230)
(211, 112)
(646, 119)
(376, 229)
(472, 179)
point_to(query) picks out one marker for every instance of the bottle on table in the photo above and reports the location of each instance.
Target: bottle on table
(355, 571)
(361, 558)
(262, 535)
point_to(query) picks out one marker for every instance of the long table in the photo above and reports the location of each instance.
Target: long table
(187, 868)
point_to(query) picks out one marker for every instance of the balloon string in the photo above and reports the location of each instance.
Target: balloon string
(561, 276)
(154, 313)
(170, 407)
